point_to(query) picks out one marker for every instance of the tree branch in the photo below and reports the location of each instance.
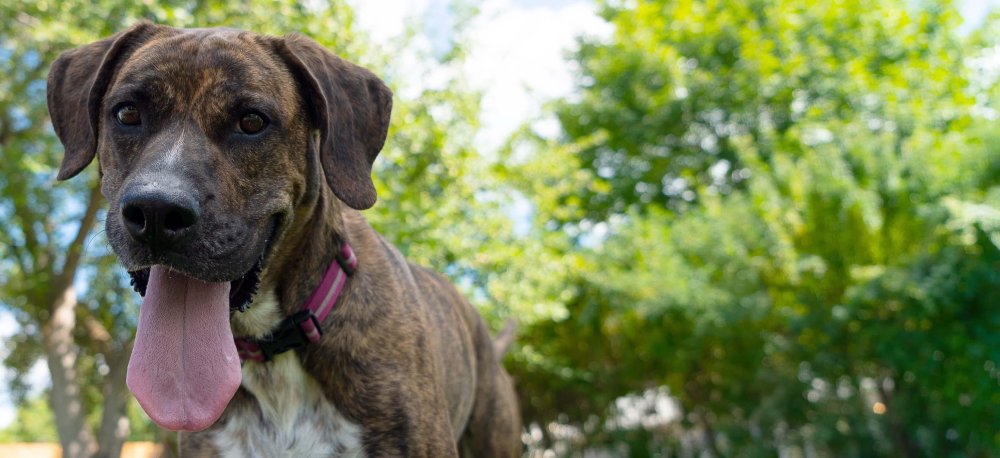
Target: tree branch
(17, 252)
(98, 334)
(75, 250)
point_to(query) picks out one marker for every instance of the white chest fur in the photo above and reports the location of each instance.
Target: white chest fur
(295, 419)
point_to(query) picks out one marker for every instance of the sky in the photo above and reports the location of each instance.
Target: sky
(517, 56)
(517, 50)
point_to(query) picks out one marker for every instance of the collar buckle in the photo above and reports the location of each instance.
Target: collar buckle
(303, 327)
(295, 331)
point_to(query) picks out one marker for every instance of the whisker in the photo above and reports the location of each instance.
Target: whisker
(93, 236)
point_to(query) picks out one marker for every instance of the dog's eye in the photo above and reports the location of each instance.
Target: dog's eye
(251, 123)
(128, 115)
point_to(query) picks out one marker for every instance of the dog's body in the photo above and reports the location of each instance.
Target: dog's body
(219, 149)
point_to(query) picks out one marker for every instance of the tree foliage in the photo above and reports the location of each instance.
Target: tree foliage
(787, 216)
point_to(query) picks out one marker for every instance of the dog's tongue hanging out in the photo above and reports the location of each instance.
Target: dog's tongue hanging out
(184, 367)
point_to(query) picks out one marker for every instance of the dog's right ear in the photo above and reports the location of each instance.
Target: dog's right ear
(77, 82)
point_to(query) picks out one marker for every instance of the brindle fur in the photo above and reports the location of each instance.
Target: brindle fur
(403, 355)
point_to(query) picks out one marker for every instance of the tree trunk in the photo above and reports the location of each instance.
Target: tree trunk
(114, 427)
(65, 399)
(708, 432)
(900, 438)
(67, 406)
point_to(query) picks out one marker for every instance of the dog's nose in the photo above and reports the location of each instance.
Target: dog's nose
(159, 218)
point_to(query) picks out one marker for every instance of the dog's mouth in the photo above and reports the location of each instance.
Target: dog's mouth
(184, 367)
(241, 290)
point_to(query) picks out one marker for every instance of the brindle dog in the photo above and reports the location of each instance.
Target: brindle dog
(234, 161)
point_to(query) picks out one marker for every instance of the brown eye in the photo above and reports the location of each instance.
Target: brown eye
(251, 123)
(128, 115)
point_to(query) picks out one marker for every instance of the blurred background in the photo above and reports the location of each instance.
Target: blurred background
(725, 228)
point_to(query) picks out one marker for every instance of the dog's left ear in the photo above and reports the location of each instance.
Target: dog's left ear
(350, 106)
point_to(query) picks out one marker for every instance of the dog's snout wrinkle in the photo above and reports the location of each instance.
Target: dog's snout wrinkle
(159, 218)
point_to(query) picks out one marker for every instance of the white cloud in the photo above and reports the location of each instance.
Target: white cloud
(387, 19)
(519, 59)
(517, 52)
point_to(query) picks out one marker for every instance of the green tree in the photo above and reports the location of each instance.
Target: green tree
(33, 423)
(46, 231)
(783, 212)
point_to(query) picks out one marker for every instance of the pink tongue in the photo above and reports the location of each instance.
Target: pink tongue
(184, 367)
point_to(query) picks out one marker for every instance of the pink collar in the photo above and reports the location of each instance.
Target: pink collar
(303, 327)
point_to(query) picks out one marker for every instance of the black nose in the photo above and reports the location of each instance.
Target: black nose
(159, 218)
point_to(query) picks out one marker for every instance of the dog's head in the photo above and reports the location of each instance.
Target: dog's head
(209, 142)
(207, 139)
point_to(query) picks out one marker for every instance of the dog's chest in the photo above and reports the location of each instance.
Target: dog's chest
(294, 418)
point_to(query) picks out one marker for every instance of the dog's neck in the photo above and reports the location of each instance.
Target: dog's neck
(308, 254)
(296, 266)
